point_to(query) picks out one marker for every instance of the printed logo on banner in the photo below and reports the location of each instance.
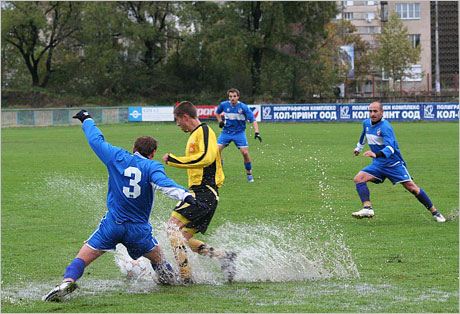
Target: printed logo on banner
(206, 111)
(135, 114)
(344, 112)
(255, 110)
(267, 113)
(428, 112)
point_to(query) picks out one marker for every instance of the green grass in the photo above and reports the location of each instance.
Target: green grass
(292, 226)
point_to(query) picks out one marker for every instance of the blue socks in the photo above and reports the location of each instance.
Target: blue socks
(75, 269)
(363, 192)
(424, 199)
(248, 166)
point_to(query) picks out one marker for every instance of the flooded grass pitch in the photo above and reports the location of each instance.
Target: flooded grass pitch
(298, 248)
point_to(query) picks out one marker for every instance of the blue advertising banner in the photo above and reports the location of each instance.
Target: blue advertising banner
(359, 112)
(437, 112)
(326, 112)
(135, 114)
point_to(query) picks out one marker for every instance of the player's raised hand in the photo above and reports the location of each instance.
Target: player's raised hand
(82, 115)
(257, 137)
(221, 124)
(165, 158)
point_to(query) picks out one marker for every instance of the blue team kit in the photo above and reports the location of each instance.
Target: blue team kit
(235, 123)
(380, 137)
(130, 197)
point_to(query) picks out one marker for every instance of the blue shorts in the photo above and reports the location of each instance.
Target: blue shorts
(136, 237)
(396, 174)
(238, 138)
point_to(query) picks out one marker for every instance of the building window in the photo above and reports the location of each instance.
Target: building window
(370, 2)
(347, 3)
(385, 76)
(384, 11)
(338, 16)
(415, 40)
(373, 29)
(408, 11)
(414, 74)
(370, 16)
(366, 30)
(368, 87)
(348, 16)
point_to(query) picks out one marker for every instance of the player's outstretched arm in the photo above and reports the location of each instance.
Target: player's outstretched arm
(204, 152)
(101, 148)
(174, 190)
(199, 160)
(167, 185)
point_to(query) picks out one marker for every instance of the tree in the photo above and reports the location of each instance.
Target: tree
(395, 54)
(303, 36)
(35, 29)
(150, 24)
(253, 26)
(268, 32)
(342, 33)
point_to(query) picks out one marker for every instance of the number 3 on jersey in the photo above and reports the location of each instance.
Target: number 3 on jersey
(134, 190)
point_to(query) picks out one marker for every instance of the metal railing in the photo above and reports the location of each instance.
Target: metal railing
(60, 116)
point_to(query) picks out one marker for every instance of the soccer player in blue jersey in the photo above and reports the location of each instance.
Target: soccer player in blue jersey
(133, 180)
(387, 163)
(236, 113)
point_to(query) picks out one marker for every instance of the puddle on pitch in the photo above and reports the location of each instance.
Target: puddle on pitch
(265, 252)
(300, 249)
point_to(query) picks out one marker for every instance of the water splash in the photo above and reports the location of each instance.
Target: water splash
(266, 252)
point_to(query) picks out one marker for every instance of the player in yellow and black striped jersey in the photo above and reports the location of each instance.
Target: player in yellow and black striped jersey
(202, 158)
(205, 177)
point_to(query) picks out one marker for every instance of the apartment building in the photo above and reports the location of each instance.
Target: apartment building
(369, 17)
(416, 16)
(364, 15)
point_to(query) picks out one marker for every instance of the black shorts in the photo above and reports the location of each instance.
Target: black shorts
(199, 218)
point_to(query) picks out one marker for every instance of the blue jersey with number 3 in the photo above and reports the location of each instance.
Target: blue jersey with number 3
(133, 179)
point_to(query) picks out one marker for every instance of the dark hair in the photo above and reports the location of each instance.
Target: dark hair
(186, 107)
(145, 145)
(233, 90)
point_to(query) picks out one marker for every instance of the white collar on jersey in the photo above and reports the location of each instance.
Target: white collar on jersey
(138, 154)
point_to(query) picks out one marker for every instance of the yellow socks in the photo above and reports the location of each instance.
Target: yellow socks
(204, 249)
(180, 252)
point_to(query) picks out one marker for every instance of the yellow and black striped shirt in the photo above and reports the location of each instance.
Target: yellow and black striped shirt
(202, 158)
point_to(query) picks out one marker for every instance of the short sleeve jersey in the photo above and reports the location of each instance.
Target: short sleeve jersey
(235, 117)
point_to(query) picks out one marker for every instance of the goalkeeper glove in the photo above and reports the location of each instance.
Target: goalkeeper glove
(82, 115)
(221, 124)
(193, 201)
(257, 137)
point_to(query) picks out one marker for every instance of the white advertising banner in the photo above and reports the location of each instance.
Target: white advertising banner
(151, 113)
